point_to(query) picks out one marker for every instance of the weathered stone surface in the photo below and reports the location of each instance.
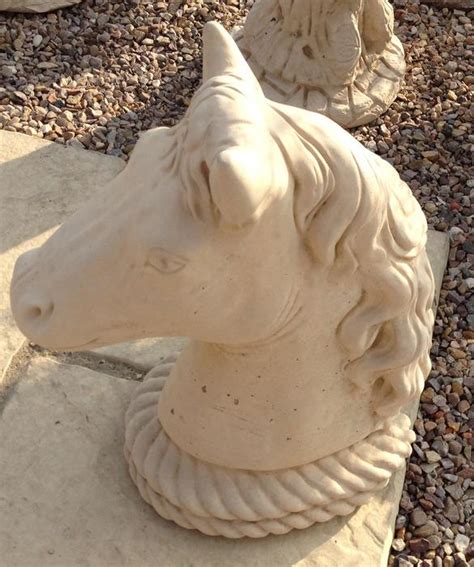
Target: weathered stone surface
(35, 6)
(41, 184)
(69, 500)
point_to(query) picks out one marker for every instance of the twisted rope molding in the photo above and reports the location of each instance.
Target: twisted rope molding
(236, 503)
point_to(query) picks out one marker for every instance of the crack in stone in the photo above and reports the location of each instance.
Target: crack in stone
(21, 360)
(93, 361)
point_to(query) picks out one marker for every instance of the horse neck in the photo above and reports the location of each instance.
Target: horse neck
(273, 404)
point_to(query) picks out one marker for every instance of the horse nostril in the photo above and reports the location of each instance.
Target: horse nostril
(33, 312)
(38, 312)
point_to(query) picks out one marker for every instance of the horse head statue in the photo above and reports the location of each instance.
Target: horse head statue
(294, 259)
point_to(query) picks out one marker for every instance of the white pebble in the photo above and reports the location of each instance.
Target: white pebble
(461, 542)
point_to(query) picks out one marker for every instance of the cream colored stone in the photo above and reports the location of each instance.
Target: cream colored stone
(67, 500)
(35, 6)
(294, 258)
(41, 184)
(330, 56)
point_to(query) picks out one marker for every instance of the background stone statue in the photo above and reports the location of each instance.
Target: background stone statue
(337, 57)
(295, 260)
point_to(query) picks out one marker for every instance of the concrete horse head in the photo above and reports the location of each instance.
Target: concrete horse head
(292, 256)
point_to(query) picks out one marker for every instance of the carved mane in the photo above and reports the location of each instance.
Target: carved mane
(353, 212)
(361, 214)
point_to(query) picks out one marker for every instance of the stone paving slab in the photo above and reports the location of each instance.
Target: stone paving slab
(41, 184)
(66, 499)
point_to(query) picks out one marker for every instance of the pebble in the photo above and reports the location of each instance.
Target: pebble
(455, 491)
(419, 545)
(37, 40)
(398, 544)
(460, 560)
(441, 447)
(418, 517)
(432, 456)
(461, 543)
(431, 207)
(451, 511)
(434, 541)
(427, 529)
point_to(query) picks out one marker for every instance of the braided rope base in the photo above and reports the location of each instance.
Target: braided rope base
(236, 503)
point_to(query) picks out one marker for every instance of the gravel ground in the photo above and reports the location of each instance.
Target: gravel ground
(95, 75)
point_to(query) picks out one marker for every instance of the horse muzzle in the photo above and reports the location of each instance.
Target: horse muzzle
(32, 306)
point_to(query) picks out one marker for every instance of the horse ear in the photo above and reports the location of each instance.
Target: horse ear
(221, 56)
(239, 158)
(240, 181)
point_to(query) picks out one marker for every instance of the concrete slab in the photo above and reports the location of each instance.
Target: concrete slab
(66, 498)
(41, 184)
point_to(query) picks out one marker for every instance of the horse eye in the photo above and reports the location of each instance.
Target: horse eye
(164, 261)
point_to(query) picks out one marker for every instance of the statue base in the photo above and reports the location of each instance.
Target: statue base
(236, 503)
